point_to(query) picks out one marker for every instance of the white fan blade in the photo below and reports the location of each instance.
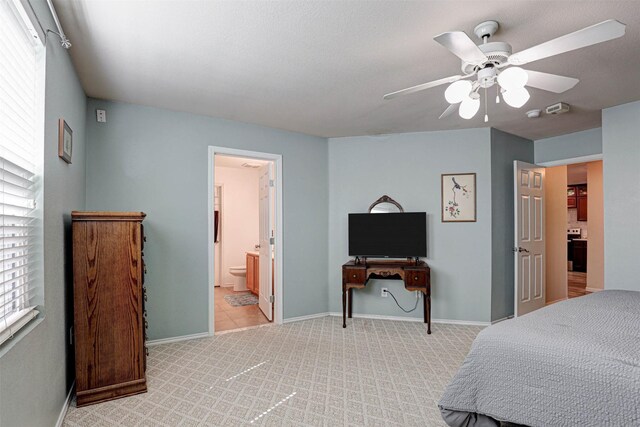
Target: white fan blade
(598, 33)
(550, 82)
(424, 86)
(462, 46)
(450, 109)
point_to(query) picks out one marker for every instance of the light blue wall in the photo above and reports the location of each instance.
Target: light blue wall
(36, 373)
(505, 148)
(569, 146)
(155, 160)
(407, 167)
(621, 176)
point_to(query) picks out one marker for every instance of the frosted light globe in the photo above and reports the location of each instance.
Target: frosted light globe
(516, 97)
(457, 91)
(513, 78)
(469, 107)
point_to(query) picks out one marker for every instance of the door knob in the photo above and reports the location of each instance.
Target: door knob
(521, 249)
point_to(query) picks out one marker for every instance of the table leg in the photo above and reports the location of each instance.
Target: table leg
(424, 306)
(428, 298)
(344, 306)
(350, 301)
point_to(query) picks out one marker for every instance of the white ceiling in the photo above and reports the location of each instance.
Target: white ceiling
(238, 162)
(577, 174)
(321, 67)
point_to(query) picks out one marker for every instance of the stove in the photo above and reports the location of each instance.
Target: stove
(573, 233)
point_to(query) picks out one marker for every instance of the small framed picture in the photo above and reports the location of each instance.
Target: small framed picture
(65, 141)
(458, 197)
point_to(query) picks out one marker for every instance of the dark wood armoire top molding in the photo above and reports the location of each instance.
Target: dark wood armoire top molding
(107, 216)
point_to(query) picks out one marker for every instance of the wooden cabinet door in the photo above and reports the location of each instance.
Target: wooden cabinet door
(571, 197)
(250, 272)
(256, 275)
(580, 256)
(582, 209)
(582, 190)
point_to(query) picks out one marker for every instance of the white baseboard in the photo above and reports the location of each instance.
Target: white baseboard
(501, 320)
(65, 407)
(414, 319)
(151, 343)
(594, 289)
(325, 314)
(460, 322)
(308, 317)
(246, 328)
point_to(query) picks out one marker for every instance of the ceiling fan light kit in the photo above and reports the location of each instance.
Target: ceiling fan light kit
(458, 91)
(494, 62)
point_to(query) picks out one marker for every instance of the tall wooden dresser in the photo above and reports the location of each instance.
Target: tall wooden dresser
(109, 312)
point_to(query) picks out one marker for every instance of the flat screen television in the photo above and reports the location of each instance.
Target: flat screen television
(390, 235)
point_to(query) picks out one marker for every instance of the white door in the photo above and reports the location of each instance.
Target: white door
(529, 238)
(265, 292)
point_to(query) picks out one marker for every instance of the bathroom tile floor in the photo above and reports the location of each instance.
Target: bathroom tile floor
(228, 317)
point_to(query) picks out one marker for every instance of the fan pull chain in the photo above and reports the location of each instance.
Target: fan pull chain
(497, 94)
(486, 115)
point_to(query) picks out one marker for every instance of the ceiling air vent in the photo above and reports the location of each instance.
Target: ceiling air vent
(558, 108)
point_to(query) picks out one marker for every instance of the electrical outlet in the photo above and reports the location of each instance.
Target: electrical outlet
(384, 292)
(101, 116)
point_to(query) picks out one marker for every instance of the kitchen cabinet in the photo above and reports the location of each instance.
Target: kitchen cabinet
(577, 198)
(581, 191)
(580, 255)
(582, 209)
(572, 201)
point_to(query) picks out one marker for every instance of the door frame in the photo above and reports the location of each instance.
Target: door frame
(221, 254)
(278, 255)
(572, 160)
(563, 162)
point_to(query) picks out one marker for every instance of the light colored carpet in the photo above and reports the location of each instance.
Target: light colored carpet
(309, 373)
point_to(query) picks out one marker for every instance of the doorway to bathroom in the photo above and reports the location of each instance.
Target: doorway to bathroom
(245, 232)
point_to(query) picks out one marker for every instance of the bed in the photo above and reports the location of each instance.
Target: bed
(573, 363)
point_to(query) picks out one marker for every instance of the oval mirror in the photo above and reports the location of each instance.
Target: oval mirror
(385, 204)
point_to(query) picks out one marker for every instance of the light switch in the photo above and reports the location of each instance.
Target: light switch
(101, 116)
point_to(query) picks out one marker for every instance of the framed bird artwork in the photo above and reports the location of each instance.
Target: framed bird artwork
(458, 197)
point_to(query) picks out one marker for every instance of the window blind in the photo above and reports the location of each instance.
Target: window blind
(18, 168)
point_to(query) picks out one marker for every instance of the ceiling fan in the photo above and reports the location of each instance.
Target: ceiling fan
(489, 63)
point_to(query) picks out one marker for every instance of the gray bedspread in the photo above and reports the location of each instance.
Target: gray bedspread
(573, 363)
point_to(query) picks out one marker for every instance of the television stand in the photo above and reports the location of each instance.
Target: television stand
(415, 274)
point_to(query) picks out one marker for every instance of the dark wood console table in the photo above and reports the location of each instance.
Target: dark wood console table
(415, 275)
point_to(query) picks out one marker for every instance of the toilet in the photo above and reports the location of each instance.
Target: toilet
(239, 274)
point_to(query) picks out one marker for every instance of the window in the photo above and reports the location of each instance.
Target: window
(21, 123)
